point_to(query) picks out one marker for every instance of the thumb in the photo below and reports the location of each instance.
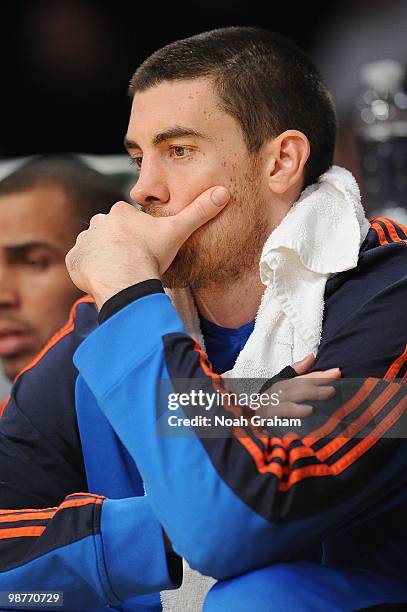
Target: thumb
(206, 206)
(301, 367)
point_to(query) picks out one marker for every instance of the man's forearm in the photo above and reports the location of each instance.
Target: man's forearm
(119, 543)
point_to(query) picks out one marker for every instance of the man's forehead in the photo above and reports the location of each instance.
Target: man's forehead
(189, 103)
(175, 97)
(41, 195)
(42, 208)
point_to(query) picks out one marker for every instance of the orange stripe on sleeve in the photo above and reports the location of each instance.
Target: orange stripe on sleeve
(351, 405)
(277, 452)
(263, 460)
(391, 229)
(351, 456)
(373, 437)
(29, 516)
(322, 469)
(354, 428)
(396, 365)
(4, 404)
(299, 452)
(70, 502)
(259, 458)
(382, 236)
(74, 503)
(19, 532)
(203, 361)
(305, 472)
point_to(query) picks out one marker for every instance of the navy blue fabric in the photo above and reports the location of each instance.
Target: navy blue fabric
(365, 320)
(41, 459)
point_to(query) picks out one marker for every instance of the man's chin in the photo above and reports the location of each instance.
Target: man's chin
(180, 277)
(12, 366)
(184, 270)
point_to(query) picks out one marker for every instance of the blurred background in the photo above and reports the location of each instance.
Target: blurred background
(66, 64)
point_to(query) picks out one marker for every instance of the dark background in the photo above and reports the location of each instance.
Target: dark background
(66, 64)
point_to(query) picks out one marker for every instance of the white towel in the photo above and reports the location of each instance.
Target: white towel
(320, 236)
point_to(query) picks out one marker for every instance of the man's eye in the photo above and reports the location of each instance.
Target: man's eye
(37, 264)
(178, 151)
(136, 161)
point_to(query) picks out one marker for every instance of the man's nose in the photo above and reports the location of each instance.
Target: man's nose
(8, 290)
(150, 187)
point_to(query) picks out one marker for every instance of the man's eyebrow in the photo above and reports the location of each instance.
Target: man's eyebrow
(177, 131)
(24, 247)
(130, 144)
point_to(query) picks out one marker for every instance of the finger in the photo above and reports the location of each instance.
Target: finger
(301, 367)
(72, 262)
(200, 211)
(96, 219)
(122, 207)
(325, 393)
(288, 410)
(301, 393)
(332, 374)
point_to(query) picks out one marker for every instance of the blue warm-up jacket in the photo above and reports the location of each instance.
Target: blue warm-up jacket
(74, 440)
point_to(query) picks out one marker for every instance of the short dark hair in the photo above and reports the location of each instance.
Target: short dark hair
(88, 191)
(263, 80)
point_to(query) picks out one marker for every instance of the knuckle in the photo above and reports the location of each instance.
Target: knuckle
(290, 409)
(95, 219)
(120, 207)
(281, 411)
(283, 385)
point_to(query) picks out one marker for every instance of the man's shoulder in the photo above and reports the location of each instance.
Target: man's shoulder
(364, 330)
(39, 418)
(49, 379)
(384, 232)
(44, 390)
(382, 261)
(81, 322)
(384, 246)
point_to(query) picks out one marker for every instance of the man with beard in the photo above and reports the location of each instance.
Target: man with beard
(229, 161)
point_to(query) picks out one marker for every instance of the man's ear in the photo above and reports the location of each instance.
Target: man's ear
(287, 155)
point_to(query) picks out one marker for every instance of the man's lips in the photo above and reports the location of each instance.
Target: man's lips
(13, 341)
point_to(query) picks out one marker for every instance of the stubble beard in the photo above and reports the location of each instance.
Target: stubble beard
(226, 248)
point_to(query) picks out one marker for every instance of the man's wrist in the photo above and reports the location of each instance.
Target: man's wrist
(104, 293)
(127, 296)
